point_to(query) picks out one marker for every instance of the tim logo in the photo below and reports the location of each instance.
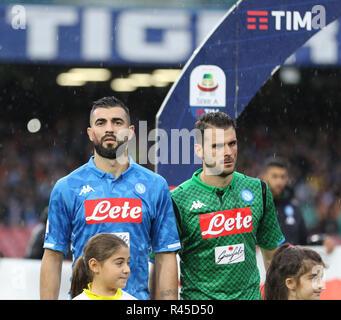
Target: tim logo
(257, 20)
(287, 20)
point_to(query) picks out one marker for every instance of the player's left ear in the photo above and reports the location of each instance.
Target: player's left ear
(290, 283)
(94, 265)
(131, 132)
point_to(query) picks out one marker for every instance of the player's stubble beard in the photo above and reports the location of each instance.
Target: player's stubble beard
(213, 169)
(111, 152)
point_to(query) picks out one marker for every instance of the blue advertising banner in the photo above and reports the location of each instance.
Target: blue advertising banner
(227, 70)
(68, 34)
(95, 34)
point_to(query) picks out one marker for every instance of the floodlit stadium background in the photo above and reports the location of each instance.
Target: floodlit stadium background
(45, 108)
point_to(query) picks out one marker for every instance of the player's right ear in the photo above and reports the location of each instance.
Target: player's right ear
(198, 149)
(90, 134)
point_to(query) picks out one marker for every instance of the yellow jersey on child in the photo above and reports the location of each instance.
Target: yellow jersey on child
(87, 294)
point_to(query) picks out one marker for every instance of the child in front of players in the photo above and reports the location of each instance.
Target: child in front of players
(102, 270)
(295, 273)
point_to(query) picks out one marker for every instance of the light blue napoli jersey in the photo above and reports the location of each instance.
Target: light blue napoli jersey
(136, 206)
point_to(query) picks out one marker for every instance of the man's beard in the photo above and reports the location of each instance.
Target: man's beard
(110, 152)
(216, 170)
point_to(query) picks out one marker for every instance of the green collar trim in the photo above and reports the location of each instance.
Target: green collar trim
(196, 179)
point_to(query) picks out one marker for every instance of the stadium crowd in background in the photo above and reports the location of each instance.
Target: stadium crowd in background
(315, 171)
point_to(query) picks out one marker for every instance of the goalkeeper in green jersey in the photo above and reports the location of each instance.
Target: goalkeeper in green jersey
(222, 216)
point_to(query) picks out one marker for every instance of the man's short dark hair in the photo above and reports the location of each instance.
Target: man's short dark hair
(109, 102)
(277, 162)
(212, 119)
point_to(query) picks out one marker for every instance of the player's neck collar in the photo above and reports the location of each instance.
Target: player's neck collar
(197, 180)
(101, 173)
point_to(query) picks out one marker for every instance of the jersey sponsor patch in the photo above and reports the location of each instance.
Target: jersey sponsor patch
(111, 210)
(227, 222)
(125, 236)
(230, 254)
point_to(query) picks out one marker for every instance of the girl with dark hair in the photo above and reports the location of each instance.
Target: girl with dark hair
(295, 273)
(102, 270)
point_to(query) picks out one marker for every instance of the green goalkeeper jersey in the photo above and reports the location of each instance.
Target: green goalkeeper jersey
(219, 229)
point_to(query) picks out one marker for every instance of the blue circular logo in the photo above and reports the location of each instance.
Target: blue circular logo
(247, 195)
(140, 188)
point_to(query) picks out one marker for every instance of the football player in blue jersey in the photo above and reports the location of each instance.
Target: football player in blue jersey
(111, 193)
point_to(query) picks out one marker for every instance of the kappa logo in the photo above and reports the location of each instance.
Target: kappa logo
(197, 205)
(86, 189)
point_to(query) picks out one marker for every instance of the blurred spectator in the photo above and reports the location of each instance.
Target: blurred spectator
(275, 174)
(35, 246)
(330, 215)
(290, 218)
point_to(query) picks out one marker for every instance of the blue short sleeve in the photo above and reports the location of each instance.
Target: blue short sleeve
(58, 228)
(164, 233)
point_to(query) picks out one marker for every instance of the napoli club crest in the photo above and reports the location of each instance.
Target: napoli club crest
(140, 188)
(247, 195)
